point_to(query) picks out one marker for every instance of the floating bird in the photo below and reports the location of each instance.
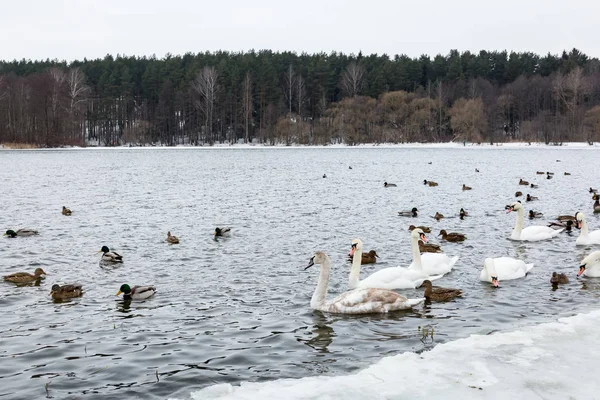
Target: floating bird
(518, 194)
(462, 213)
(559, 225)
(66, 211)
(429, 247)
(172, 239)
(530, 233)
(593, 190)
(429, 183)
(434, 293)
(585, 236)
(21, 232)
(559, 278)
(366, 258)
(534, 214)
(423, 228)
(476, 170)
(385, 184)
(548, 176)
(24, 277)
(452, 236)
(503, 268)
(324, 175)
(465, 187)
(597, 204)
(540, 173)
(531, 198)
(136, 292)
(110, 256)
(563, 218)
(567, 173)
(225, 231)
(349, 167)
(534, 186)
(438, 216)
(65, 291)
(549, 173)
(522, 182)
(411, 213)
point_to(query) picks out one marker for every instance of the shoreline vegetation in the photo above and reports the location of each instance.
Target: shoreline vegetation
(276, 98)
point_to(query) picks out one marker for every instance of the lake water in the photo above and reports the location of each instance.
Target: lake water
(237, 309)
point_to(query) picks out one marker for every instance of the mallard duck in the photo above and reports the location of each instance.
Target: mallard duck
(534, 214)
(24, 277)
(438, 293)
(20, 232)
(522, 182)
(225, 231)
(172, 239)
(438, 216)
(111, 256)
(465, 187)
(65, 291)
(518, 194)
(385, 184)
(549, 173)
(136, 292)
(429, 247)
(593, 190)
(530, 197)
(411, 213)
(452, 236)
(66, 211)
(462, 213)
(540, 173)
(567, 226)
(367, 258)
(567, 173)
(534, 186)
(423, 228)
(559, 278)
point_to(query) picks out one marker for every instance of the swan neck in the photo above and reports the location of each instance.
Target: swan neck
(320, 294)
(416, 253)
(584, 228)
(519, 223)
(355, 270)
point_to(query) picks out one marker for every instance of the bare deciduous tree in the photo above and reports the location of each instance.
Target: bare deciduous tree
(290, 81)
(77, 96)
(353, 79)
(300, 94)
(207, 87)
(247, 104)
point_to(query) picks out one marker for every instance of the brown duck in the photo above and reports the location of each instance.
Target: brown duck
(558, 278)
(465, 187)
(66, 211)
(439, 293)
(24, 277)
(522, 182)
(429, 183)
(65, 291)
(172, 239)
(423, 228)
(452, 236)
(540, 172)
(518, 194)
(429, 247)
(367, 258)
(563, 218)
(438, 216)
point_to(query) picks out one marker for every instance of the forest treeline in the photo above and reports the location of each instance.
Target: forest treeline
(284, 97)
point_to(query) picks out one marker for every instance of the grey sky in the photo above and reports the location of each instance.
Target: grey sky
(70, 29)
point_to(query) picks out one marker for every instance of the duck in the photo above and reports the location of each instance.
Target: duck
(66, 211)
(476, 169)
(429, 183)
(503, 269)
(531, 198)
(518, 194)
(356, 301)
(433, 264)
(367, 258)
(465, 187)
(462, 213)
(136, 292)
(530, 233)
(225, 231)
(549, 173)
(534, 186)
(522, 182)
(590, 265)
(324, 175)
(585, 237)
(438, 293)
(411, 213)
(65, 291)
(548, 176)
(559, 278)
(385, 184)
(567, 173)
(110, 256)
(535, 214)
(429, 247)
(21, 232)
(593, 190)
(568, 225)
(564, 218)
(438, 216)
(24, 277)
(423, 228)
(172, 239)
(452, 236)
(597, 205)
(540, 172)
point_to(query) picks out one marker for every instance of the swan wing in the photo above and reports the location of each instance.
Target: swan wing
(393, 278)
(369, 301)
(436, 263)
(509, 268)
(539, 232)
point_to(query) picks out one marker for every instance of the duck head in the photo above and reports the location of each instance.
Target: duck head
(10, 233)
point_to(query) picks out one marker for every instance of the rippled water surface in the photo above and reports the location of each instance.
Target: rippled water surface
(238, 309)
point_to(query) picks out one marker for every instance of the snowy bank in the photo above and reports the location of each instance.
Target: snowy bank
(551, 361)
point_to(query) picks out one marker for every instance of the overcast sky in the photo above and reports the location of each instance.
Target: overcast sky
(74, 29)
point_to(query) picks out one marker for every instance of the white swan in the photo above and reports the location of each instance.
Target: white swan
(590, 266)
(503, 269)
(430, 263)
(358, 301)
(586, 237)
(388, 278)
(531, 233)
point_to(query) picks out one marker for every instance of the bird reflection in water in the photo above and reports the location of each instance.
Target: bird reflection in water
(323, 333)
(124, 305)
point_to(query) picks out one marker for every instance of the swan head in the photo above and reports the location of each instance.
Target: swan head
(514, 207)
(592, 258)
(491, 270)
(318, 258)
(417, 234)
(579, 217)
(357, 245)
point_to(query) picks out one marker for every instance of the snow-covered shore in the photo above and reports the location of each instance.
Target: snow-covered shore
(553, 360)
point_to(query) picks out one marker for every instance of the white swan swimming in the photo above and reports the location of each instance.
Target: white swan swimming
(430, 263)
(531, 233)
(590, 266)
(388, 278)
(357, 301)
(586, 237)
(503, 269)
